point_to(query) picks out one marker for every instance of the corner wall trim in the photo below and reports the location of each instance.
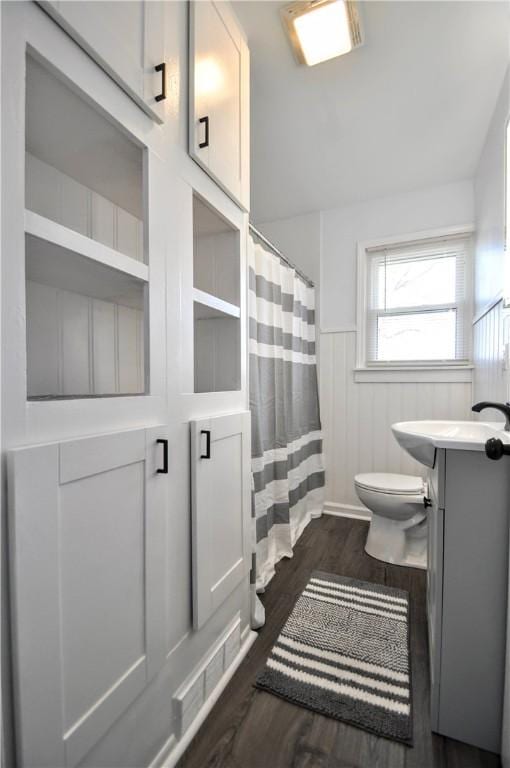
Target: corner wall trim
(488, 307)
(346, 510)
(172, 750)
(442, 374)
(343, 329)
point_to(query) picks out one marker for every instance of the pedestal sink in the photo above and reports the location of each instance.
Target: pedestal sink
(422, 438)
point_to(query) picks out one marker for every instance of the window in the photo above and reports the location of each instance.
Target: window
(415, 303)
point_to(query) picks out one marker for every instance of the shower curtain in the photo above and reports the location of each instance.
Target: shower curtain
(287, 461)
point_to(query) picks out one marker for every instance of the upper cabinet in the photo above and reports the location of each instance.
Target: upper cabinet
(127, 39)
(219, 98)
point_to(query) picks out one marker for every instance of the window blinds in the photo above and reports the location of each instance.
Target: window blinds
(416, 302)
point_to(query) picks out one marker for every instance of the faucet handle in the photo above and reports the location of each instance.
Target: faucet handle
(495, 448)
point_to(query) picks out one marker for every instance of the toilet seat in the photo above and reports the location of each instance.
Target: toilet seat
(391, 484)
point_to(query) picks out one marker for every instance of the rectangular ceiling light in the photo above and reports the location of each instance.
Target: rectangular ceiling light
(322, 29)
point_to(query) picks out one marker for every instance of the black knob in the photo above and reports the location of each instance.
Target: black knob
(494, 448)
(426, 502)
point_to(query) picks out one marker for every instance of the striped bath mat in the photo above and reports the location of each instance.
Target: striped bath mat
(344, 652)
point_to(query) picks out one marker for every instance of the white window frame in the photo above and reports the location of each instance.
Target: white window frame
(415, 370)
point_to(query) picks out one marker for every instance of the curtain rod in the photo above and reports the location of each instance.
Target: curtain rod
(281, 256)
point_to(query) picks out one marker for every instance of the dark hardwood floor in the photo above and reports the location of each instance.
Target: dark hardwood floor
(249, 728)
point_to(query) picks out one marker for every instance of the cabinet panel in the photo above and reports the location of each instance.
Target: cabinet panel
(88, 587)
(219, 107)
(435, 604)
(475, 592)
(125, 38)
(103, 353)
(43, 351)
(74, 310)
(220, 509)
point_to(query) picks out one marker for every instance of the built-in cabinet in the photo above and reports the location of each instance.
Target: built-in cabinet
(219, 97)
(467, 595)
(126, 37)
(87, 520)
(221, 493)
(118, 597)
(216, 301)
(85, 257)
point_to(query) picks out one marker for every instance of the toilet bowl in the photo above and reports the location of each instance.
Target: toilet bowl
(398, 528)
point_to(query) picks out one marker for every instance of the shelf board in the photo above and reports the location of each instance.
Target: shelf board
(52, 232)
(208, 306)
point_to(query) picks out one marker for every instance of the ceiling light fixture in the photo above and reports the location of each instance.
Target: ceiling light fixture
(322, 29)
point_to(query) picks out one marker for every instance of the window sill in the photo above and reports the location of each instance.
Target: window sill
(432, 374)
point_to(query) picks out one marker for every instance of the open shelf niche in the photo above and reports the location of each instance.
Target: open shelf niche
(216, 301)
(81, 170)
(85, 261)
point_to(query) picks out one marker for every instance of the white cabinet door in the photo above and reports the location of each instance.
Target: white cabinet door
(219, 99)
(87, 531)
(220, 469)
(125, 37)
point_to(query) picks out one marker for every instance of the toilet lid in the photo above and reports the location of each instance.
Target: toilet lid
(385, 482)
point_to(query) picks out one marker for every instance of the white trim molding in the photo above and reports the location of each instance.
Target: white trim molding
(335, 509)
(344, 329)
(172, 751)
(398, 374)
(488, 306)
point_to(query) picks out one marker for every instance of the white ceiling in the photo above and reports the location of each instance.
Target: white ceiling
(409, 109)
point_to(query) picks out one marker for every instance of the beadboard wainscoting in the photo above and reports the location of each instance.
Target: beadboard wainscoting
(357, 419)
(490, 380)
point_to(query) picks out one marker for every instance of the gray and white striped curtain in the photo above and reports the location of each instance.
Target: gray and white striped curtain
(287, 461)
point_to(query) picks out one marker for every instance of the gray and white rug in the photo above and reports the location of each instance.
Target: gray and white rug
(344, 652)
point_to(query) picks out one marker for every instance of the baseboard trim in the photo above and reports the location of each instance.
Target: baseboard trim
(172, 751)
(346, 510)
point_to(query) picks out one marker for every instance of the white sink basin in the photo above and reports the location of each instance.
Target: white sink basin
(421, 438)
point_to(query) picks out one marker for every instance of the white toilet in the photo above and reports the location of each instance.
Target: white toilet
(398, 529)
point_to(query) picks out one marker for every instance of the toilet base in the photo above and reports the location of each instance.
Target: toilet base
(390, 542)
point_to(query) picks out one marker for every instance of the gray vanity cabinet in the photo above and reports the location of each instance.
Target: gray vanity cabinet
(467, 586)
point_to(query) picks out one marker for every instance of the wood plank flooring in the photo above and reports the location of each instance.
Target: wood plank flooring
(249, 728)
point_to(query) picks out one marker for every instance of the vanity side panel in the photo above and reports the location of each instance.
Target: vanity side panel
(477, 501)
(436, 482)
(436, 479)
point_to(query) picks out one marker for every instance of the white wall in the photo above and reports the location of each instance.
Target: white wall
(489, 186)
(299, 238)
(357, 417)
(342, 228)
(491, 327)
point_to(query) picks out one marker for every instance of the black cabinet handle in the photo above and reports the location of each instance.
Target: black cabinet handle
(496, 449)
(207, 454)
(162, 68)
(164, 469)
(205, 142)
(426, 502)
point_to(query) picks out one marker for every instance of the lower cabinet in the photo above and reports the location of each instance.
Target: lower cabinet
(87, 532)
(221, 493)
(467, 589)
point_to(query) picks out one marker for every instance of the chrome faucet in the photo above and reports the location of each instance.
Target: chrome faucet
(504, 408)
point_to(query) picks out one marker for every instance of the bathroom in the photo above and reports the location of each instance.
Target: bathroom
(255, 432)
